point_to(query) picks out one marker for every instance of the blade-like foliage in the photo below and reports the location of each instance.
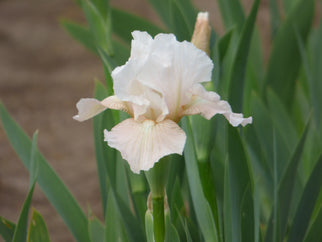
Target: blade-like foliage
(307, 203)
(7, 229)
(277, 226)
(105, 156)
(274, 16)
(96, 230)
(81, 34)
(37, 229)
(50, 183)
(240, 190)
(239, 65)
(114, 230)
(285, 59)
(20, 233)
(201, 206)
(99, 25)
(183, 16)
(232, 13)
(314, 232)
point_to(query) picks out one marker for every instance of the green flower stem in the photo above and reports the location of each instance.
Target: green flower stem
(157, 178)
(158, 219)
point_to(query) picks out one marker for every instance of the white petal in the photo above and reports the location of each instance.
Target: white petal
(209, 104)
(89, 107)
(140, 44)
(144, 100)
(144, 143)
(158, 75)
(172, 68)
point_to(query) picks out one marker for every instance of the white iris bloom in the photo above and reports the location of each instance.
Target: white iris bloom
(157, 86)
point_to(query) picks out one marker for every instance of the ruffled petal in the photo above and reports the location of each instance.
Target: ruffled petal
(172, 67)
(90, 107)
(209, 104)
(158, 75)
(144, 143)
(145, 101)
(140, 44)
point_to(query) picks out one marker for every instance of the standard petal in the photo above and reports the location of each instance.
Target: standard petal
(144, 143)
(209, 104)
(89, 107)
(171, 69)
(140, 44)
(159, 73)
(144, 100)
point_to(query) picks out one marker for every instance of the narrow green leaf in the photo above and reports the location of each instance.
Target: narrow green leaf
(316, 86)
(20, 233)
(34, 167)
(80, 33)
(223, 44)
(183, 16)
(285, 60)
(232, 13)
(241, 189)
(124, 23)
(37, 228)
(102, 6)
(264, 127)
(176, 204)
(138, 188)
(287, 183)
(314, 232)
(133, 229)
(255, 70)
(149, 226)
(263, 135)
(186, 229)
(108, 62)
(282, 120)
(202, 209)
(276, 230)
(228, 222)
(50, 183)
(304, 210)
(274, 16)
(122, 52)
(171, 234)
(105, 156)
(100, 26)
(96, 230)
(285, 189)
(238, 71)
(204, 138)
(122, 183)
(107, 160)
(313, 70)
(288, 5)
(113, 226)
(7, 229)
(84, 36)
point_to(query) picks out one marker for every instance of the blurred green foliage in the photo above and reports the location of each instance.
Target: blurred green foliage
(259, 183)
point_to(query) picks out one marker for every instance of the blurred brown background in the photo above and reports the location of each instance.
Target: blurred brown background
(43, 73)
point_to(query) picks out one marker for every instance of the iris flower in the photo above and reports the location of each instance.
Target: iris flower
(157, 86)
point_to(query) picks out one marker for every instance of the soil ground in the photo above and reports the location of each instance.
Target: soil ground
(43, 73)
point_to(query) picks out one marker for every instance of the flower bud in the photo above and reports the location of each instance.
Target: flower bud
(201, 33)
